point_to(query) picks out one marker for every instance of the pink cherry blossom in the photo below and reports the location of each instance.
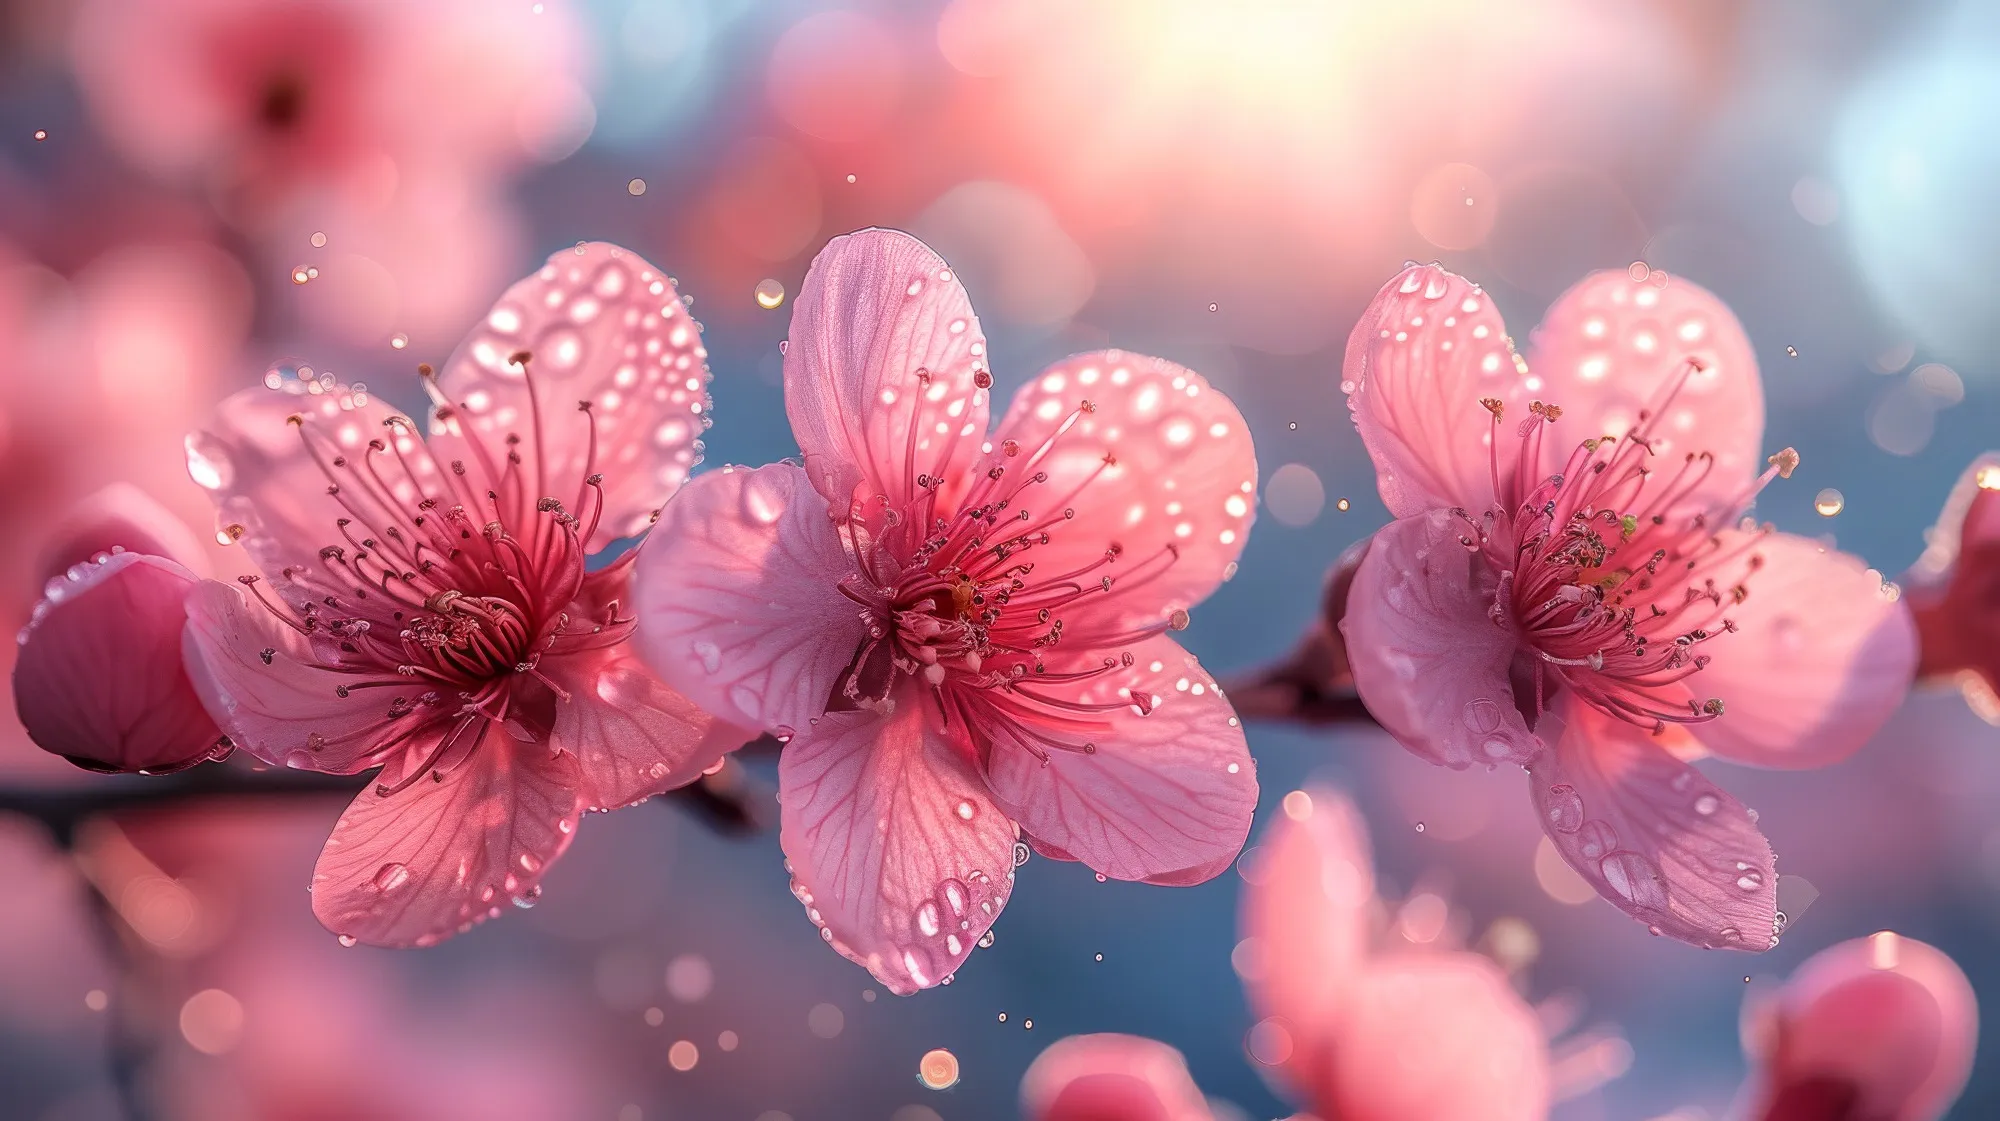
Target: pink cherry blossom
(1410, 1033)
(426, 607)
(99, 678)
(1568, 587)
(1954, 590)
(963, 636)
(1882, 1027)
(1110, 1077)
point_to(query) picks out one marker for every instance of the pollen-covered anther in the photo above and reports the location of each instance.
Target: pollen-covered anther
(520, 358)
(1786, 461)
(1495, 406)
(1712, 706)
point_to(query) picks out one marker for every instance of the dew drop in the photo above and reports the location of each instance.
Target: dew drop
(1829, 502)
(300, 275)
(1565, 808)
(710, 655)
(1595, 839)
(635, 187)
(526, 900)
(348, 940)
(41, 134)
(1707, 804)
(770, 294)
(1021, 853)
(938, 1069)
(1420, 826)
(391, 876)
(399, 340)
(1634, 877)
(1212, 307)
(982, 379)
(1792, 352)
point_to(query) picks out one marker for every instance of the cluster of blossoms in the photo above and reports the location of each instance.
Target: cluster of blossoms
(962, 632)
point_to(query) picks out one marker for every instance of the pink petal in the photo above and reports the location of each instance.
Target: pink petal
(1432, 1037)
(880, 369)
(1110, 1077)
(1424, 354)
(437, 857)
(1954, 589)
(1885, 1016)
(1430, 661)
(896, 850)
(99, 678)
(1607, 347)
(270, 493)
(737, 602)
(1820, 658)
(1160, 794)
(1308, 913)
(121, 516)
(1654, 836)
(1163, 469)
(632, 736)
(601, 326)
(272, 692)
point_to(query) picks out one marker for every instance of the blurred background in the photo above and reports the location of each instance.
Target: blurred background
(194, 190)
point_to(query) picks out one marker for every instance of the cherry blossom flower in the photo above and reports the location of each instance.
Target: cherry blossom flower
(426, 606)
(1882, 1027)
(1568, 587)
(961, 633)
(1110, 1077)
(1954, 590)
(1412, 1032)
(99, 678)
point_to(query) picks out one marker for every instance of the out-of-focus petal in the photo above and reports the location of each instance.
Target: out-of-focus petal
(1430, 660)
(737, 597)
(415, 866)
(882, 370)
(1308, 911)
(1432, 1037)
(1821, 656)
(897, 852)
(283, 699)
(1166, 792)
(1161, 466)
(1426, 352)
(121, 516)
(1654, 836)
(633, 737)
(99, 678)
(603, 327)
(1110, 1077)
(1954, 589)
(271, 494)
(1609, 345)
(1889, 1020)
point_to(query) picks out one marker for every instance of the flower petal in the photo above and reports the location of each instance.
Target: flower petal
(271, 494)
(880, 369)
(603, 326)
(99, 678)
(632, 736)
(1432, 1037)
(1654, 836)
(896, 850)
(277, 696)
(1308, 912)
(433, 859)
(1424, 354)
(1609, 345)
(737, 597)
(1161, 468)
(1110, 1077)
(1820, 658)
(1157, 794)
(1890, 1017)
(1954, 590)
(1430, 661)
(125, 517)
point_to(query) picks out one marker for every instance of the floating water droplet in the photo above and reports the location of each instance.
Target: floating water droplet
(770, 293)
(399, 340)
(635, 187)
(1212, 307)
(1829, 502)
(1341, 505)
(1792, 351)
(938, 1069)
(850, 177)
(318, 240)
(41, 134)
(300, 275)
(1420, 826)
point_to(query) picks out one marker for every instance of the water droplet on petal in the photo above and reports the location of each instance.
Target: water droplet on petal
(1595, 839)
(391, 876)
(1565, 808)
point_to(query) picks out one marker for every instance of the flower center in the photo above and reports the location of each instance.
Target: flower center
(1615, 577)
(449, 581)
(962, 600)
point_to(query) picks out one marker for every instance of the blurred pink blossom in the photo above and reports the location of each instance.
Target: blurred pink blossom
(1878, 1027)
(375, 129)
(432, 614)
(1110, 1077)
(1954, 590)
(1593, 617)
(1409, 1033)
(957, 633)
